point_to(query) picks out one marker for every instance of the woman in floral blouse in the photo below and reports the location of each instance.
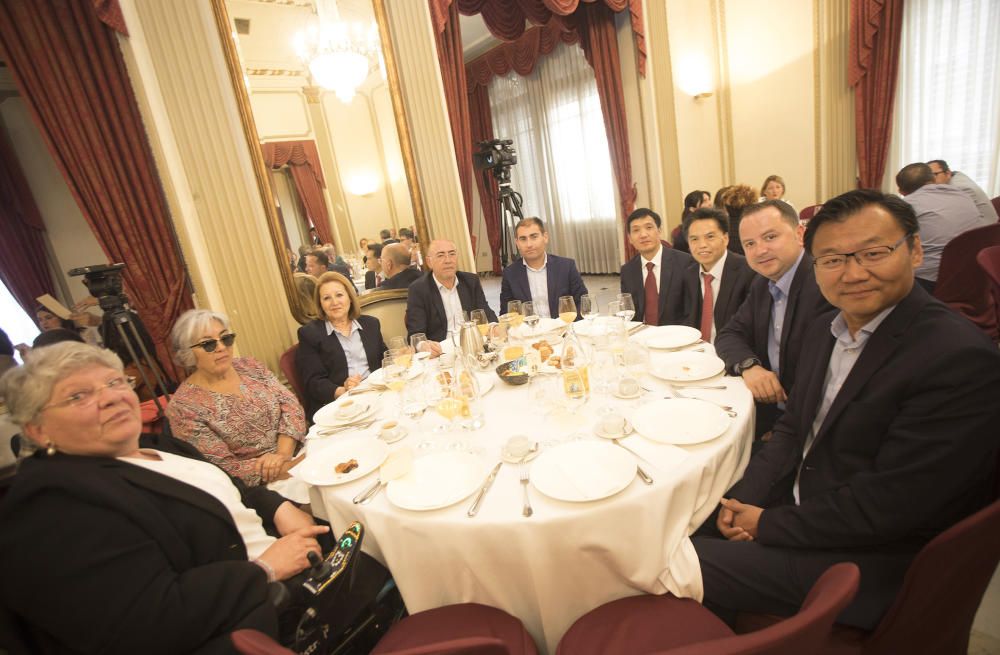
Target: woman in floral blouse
(234, 410)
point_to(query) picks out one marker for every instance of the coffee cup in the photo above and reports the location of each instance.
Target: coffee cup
(348, 409)
(628, 387)
(389, 430)
(613, 424)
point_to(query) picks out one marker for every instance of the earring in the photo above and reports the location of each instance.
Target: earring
(50, 449)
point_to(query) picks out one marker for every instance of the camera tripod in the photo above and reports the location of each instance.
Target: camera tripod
(119, 316)
(510, 214)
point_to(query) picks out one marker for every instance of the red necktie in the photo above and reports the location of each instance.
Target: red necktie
(378, 279)
(707, 309)
(651, 311)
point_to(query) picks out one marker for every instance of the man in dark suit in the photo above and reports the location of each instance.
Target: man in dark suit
(437, 300)
(656, 273)
(720, 279)
(537, 276)
(396, 269)
(761, 342)
(318, 262)
(890, 437)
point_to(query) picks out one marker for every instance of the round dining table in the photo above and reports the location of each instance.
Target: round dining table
(567, 558)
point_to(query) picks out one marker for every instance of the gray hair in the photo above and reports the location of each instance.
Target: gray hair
(26, 389)
(188, 328)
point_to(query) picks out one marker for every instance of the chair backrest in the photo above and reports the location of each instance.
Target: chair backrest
(989, 260)
(465, 646)
(806, 632)
(389, 307)
(961, 283)
(287, 365)
(943, 587)
(254, 642)
(996, 204)
(808, 212)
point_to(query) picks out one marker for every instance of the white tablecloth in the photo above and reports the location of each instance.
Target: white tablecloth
(568, 558)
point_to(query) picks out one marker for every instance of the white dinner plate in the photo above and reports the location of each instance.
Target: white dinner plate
(438, 480)
(581, 471)
(319, 466)
(685, 366)
(327, 415)
(680, 421)
(669, 337)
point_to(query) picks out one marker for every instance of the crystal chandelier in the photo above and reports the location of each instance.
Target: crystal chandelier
(339, 54)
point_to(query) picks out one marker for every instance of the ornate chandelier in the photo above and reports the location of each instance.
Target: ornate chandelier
(339, 54)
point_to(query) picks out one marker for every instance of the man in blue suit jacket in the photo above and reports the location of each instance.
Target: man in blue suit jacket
(537, 276)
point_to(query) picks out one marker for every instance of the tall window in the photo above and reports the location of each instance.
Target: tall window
(564, 169)
(18, 325)
(948, 94)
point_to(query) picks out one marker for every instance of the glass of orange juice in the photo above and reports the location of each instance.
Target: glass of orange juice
(567, 309)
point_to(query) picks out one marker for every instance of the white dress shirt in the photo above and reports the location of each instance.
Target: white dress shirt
(452, 301)
(214, 481)
(538, 284)
(716, 284)
(656, 260)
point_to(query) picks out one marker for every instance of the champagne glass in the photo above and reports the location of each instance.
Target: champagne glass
(394, 373)
(627, 307)
(530, 317)
(402, 356)
(396, 343)
(588, 307)
(478, 316)
(567, 309)
(515, 309)
(417, 340)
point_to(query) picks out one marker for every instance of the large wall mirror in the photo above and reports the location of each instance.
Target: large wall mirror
(326, 125)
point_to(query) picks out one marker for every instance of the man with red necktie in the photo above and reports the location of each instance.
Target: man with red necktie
(655, 277)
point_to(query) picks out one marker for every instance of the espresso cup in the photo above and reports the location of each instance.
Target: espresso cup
(389, 430)
(613, 424)
(628, 387)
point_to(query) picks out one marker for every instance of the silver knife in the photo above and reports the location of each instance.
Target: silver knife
(482, 491)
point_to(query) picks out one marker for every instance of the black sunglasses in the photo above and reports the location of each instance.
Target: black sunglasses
(208, 345)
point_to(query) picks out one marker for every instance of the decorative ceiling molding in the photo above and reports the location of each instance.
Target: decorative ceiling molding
(276, 72)
(307, 4)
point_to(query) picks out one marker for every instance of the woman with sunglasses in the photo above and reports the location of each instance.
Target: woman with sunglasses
(233, 409)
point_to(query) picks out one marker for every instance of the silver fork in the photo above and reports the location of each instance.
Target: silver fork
(677, 394)
(526, 511)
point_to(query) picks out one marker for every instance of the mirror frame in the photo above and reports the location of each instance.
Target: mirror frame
(261, 172)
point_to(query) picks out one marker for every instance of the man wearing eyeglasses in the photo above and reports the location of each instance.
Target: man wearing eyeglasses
(944, 175)
(436, 301)
(889, 438)
(761, 342)
(943, 212)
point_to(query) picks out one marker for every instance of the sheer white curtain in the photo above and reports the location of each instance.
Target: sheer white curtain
(948, 93)
(563, 167)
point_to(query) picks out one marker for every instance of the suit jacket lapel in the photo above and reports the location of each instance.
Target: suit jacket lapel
(465, 294)
(763, 310)
(167, 486)
(665, 275)
(634, 273)
(437, 305)
(794, 297)
(552, 282)
(369, 339)
(725, 289)
(519, 281)
(881, 345)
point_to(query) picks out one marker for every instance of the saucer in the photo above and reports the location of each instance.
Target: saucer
(637, 394)
(510, 459)
(621, 435)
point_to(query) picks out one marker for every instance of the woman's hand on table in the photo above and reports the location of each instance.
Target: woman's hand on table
(288, 556)
(272, 465)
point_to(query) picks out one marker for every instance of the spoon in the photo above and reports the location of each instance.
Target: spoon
(396, 465)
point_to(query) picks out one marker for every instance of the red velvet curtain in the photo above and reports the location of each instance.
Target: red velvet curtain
(876, 29)
(519, 56)
(69, 69)
(482, 130)
(302, 159)
(22, 249)
(449, 46)
(600, 45)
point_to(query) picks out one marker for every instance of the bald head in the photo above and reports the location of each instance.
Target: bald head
(395, 258)
(442, 258)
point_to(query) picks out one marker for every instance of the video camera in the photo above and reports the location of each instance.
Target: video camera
(497, 155)
(104, 282)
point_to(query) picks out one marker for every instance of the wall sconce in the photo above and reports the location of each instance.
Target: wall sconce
(703, 94)
(362, 184)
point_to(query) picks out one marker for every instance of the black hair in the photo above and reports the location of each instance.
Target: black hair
(6, 345)
(706, 213)
(642, 212)
(847, 204)
(787, 211)
(321, 257)
(56, 336)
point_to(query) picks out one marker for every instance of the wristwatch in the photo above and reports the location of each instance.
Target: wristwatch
(749, 362)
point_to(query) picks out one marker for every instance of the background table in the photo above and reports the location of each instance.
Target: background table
(568, 558)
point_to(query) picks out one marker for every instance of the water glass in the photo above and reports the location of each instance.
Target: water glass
(588, 307)
(627, 307)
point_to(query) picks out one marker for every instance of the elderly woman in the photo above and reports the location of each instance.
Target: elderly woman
(339, 350)
(112, 544)
(233, 410)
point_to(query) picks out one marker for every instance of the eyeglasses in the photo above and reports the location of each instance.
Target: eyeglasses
(87, 397)
(936, 173)
(867, 257)
(209, 345)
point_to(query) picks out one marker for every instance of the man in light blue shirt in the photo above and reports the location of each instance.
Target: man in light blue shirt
(943, 212)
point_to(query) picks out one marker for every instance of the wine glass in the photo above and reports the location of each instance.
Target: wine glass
(414, 401)
(636, 358)
(567, 309)
(530, 317)
(478, 316)
(394, 373)
(588, 307)
(627, 307)
(417, 340)
(402, 356)
(516, 310)
(394, 343)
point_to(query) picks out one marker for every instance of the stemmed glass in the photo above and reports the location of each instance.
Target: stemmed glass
(516, 310)
(417, 340)
(626, 307)
(530, 316)
(567, 309)
(588, 307)
(478, 316)
(636, 358)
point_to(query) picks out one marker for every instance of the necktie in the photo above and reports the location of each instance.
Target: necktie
(707, 308)
(651, 310)
(378, 279)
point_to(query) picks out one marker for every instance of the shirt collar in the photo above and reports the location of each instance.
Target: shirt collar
(442, 288)
(840, 331)
(655, 259)
(716, 270)
(784, 283)
(545, 262)
(354, 326)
